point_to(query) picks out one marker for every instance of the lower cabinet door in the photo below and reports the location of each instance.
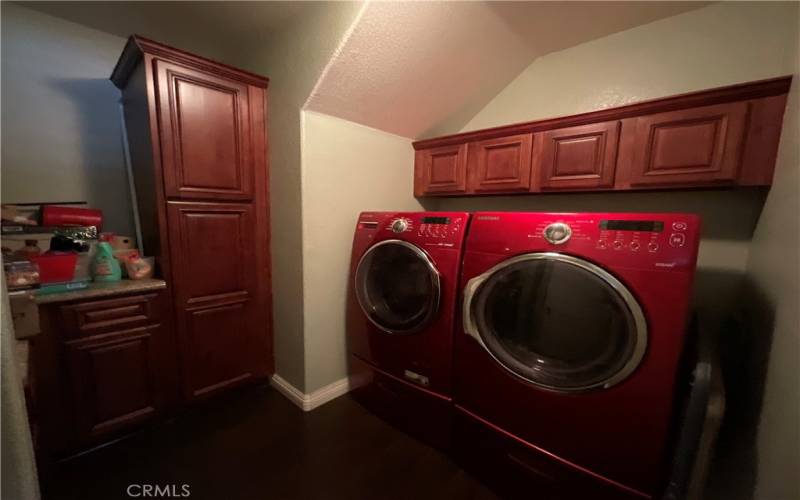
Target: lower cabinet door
(114, 380)
(221, 320)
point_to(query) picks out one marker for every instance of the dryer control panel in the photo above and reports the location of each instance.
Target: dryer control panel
(431, 229)
(634, 240)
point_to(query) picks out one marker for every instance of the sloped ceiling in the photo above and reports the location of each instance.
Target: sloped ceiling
(416, 69)
(419, 69)
(219, 30)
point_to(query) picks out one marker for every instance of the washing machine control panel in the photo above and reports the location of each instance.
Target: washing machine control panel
(639, 240)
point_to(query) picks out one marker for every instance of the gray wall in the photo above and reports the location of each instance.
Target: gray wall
(293, 58)
(60, 122)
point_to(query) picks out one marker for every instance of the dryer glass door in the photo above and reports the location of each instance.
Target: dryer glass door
(557, 321)
(397, 287)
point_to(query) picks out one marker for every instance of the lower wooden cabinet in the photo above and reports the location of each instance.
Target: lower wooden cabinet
(221, 324)
(114, 379)
(101, 367)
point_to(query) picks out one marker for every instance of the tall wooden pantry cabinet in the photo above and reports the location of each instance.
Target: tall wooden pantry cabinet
(198, 145)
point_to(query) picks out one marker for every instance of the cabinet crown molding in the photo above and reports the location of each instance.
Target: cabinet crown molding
(137, 46)
(719, 95)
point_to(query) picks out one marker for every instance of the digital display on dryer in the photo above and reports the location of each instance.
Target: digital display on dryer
(632, 225)
(436, 220)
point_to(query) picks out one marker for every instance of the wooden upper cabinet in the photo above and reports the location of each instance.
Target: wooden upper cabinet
(441, 170)
(578, 157)
(726, 136)
(690, 146)
(205, 134)
(499, 165)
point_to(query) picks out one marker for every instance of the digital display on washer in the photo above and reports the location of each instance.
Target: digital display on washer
(436, 220)
(632, 225)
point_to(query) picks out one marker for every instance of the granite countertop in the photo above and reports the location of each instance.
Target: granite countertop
(101, 290)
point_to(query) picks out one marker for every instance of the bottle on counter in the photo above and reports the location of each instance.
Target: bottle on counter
(104, 266)
(31, 249)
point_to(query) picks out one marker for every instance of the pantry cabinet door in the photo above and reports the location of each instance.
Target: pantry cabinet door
(204, 127)
(578, 157)
(501, 165)
(691, 146)
(221, 321)
(441, 171)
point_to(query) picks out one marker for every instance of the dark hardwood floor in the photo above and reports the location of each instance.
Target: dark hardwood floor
(256, 445)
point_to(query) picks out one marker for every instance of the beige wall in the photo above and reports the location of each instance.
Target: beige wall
(721, 44)
(293, 58)
(347, 168)
(774, 267)
(60, 121)
(718, 45)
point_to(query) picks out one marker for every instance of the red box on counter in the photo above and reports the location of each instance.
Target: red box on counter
(56, 267)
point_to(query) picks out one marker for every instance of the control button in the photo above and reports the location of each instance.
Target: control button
(399, 225)
(677, 239)
(634, 245)
(679, 226)
(652, 246)
(617, 245)
(557, 233)
(601, 244)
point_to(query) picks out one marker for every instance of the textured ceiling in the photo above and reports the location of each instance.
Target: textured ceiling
(421, 68)
(415, 69)
(215, 29)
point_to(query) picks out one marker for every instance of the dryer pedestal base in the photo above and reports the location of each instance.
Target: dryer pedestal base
(419, 412)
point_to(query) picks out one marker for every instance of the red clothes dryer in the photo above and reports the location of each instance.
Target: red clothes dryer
(400, 317)
(566, 365)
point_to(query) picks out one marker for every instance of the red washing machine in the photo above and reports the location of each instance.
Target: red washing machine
(400, 317)
(567, 365)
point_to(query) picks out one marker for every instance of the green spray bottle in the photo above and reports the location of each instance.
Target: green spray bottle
(104, 266)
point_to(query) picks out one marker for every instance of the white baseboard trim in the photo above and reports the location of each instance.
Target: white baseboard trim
(308, 402)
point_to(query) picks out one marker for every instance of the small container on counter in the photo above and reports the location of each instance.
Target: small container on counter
(21, 274)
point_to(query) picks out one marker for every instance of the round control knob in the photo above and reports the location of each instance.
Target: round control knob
(557, 233)
(617, 245)
(399, 225)
(653, 246)
(634, 245)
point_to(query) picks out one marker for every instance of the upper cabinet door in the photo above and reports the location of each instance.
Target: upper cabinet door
(690, 146)
(501, 165)
(205, 134)
(441, 170)
(578, 157)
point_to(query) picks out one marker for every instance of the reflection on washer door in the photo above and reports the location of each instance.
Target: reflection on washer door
(556, 324)
(397, 287)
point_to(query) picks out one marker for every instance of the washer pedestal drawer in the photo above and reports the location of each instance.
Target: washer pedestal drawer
(415, 410)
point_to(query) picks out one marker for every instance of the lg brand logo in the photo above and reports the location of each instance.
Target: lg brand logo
(158, 491)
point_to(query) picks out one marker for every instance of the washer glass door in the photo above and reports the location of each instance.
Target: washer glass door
(397, 287)
(557, 321)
